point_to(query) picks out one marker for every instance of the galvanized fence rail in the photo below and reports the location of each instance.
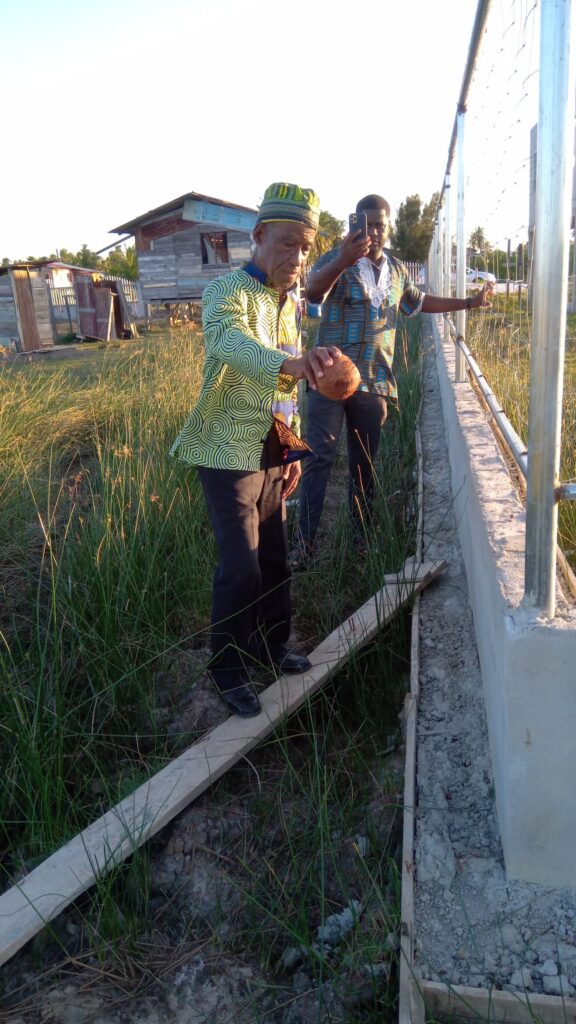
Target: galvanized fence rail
(551, 165)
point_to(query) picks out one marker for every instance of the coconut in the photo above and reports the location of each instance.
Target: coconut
(340, 380)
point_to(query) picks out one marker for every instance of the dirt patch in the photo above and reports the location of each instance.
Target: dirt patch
(211, 879)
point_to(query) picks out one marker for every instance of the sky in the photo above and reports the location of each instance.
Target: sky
(116, 107)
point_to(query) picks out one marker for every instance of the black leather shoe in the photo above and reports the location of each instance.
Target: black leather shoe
(299, 557)
(240, 698)
(287, 662)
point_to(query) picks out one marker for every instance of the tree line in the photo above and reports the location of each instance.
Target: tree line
(410, 236)
(410, 239)
(119, 262)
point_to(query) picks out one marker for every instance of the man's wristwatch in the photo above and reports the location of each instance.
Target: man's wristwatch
(468, 303)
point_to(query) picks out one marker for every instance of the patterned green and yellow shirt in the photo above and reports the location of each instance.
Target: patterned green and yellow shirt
(247, 337)
(363, 325)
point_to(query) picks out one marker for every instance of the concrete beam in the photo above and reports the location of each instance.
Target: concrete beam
(528, 663)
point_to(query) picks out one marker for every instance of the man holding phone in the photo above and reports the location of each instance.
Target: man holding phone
(362, 288)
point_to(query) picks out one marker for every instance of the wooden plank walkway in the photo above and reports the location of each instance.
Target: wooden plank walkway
(27, 907)
(460, 1003)
(411, 1010)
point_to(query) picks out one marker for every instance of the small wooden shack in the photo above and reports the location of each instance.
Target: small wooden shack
(42, 302)
(183, 245)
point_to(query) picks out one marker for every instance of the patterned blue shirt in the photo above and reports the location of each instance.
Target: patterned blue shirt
(364, 331)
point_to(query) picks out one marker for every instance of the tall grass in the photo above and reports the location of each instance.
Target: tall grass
(500, 340)
(104, 553)
(328, 815)
(105, 574)
(106, 569)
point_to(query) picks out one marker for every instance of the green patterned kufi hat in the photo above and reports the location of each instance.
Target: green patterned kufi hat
(283, 201)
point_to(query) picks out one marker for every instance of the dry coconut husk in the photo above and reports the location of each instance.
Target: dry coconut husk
(340, 380)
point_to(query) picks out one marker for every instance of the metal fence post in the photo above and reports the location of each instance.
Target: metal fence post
(447, 253)
(459, 366)
(433, 259)
(553, 174)
(439, 259)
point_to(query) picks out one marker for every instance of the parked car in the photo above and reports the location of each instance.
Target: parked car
(476, 276)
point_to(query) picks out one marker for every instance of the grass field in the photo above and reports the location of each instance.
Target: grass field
(105, 578)
(106, 558)
(104, 545)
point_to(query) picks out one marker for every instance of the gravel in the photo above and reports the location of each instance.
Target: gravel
(473, 926)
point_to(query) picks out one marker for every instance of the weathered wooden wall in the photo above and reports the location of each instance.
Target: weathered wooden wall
(27, 328)
(171, 268)
(25, 316)
(34, 313)
(39, 285)
(9, 334)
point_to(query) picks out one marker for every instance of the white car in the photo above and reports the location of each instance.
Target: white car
(475, 276)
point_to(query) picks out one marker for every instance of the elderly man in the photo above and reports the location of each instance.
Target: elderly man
(243, 436)
(362, 287)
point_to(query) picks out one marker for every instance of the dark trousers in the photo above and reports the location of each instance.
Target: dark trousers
(365, 415)
(251, 589)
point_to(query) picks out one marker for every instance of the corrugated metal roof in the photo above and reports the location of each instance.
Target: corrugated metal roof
(131, 224)
(32, 264)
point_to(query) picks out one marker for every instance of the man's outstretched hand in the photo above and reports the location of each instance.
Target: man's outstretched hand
(483, 297)
(310, 365)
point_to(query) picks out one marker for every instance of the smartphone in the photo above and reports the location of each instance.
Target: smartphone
(358, 222)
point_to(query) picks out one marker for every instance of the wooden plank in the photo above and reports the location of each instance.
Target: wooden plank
(208, 213)
(128, 323)
(164, 246)
(163, 227)
(463, 1003)
(86, 305)
(426, 1000)
(188, 243)
(29, 336)
(104, 303)
(410, 1009)
(46, 891)
(42, 308)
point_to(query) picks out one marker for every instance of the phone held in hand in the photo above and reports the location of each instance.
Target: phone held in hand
(358, 222)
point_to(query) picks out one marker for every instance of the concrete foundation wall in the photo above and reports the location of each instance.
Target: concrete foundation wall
(528, 663)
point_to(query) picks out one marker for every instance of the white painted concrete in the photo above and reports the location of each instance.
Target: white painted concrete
(528, 663)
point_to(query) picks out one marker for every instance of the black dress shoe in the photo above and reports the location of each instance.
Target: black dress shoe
(299, 557)
(238, 696)
(285, 661)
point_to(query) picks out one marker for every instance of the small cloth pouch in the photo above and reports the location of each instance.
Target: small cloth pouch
(292, 447)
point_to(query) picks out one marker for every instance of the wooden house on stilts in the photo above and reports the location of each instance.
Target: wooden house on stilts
(181, 246)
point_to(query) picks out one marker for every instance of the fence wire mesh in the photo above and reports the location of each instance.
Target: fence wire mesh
(501, 138)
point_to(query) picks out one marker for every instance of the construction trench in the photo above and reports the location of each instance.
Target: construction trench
(488, 891)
